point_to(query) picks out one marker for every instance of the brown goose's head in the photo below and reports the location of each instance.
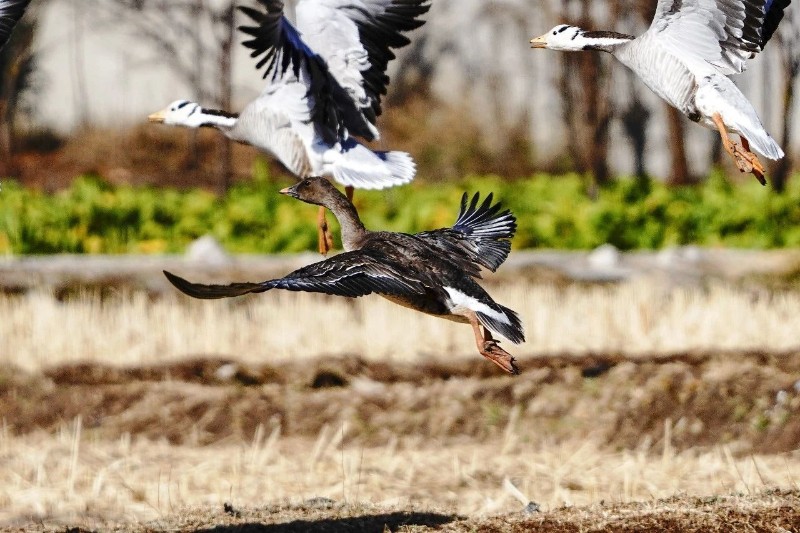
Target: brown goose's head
(317, 191)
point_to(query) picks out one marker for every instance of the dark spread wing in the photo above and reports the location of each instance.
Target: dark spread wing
(480, 236)
(282, 51)
(726, 33)
(352, 274)
(775, 11)
(10, 13)
(213, 292)
(356, 38)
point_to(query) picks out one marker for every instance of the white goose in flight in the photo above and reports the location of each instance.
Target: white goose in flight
(325, 80)
(10, 13)
(686, 56)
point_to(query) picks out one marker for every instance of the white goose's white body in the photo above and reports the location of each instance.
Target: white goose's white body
(325, 83)
(686, 56)
(279, 123)
(697, 88)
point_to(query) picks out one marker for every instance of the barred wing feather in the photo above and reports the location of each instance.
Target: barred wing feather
(726, 33)
(480, 236)
(351, 274)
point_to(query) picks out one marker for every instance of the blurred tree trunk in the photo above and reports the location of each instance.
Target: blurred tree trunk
(587, 105)
(781, 175)
(205, 66)
(6, 152)
(79, 70)
(17, 63)
(679, 168)
(789, 38)
(225, 171)
(635, 120)
(198, 9)
(599, 116)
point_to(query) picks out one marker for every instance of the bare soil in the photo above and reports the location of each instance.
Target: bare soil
(748, 401)
(751, 400)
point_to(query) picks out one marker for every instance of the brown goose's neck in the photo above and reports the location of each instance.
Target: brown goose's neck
(353, 230)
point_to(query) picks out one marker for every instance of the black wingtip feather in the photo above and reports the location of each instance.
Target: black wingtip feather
(772, 18)
(379, 35)
(213, 292)
(513, 331)
(487, 220)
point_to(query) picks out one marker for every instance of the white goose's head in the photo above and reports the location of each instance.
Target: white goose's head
(180, 113)
(568, 38)
(563, 37)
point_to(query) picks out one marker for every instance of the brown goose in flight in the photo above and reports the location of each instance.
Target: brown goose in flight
(433, 272)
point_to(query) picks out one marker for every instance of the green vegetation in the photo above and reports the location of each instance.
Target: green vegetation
(553, 212)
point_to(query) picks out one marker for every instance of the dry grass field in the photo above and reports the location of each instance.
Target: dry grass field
(38, 331)
(638, 407)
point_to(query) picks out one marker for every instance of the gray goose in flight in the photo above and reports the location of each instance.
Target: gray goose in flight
(326, 77)
(686, 56)
(10, 13)
(433, 272)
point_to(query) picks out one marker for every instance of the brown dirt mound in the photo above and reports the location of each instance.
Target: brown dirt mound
(751, 399)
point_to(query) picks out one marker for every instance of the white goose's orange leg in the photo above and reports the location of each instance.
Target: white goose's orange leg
(489, 348)
(758, 167)
(325, 239)
(731, 147)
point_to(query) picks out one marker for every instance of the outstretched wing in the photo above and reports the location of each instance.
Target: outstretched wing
(283, 52)
(352, 274)
(356, 38)
(282, 117)
(10, 13)
(480, 236)
(726, 33)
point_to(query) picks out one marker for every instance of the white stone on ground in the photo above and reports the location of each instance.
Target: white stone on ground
(208, 250)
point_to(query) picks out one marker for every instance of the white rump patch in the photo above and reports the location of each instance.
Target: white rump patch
(464, 301)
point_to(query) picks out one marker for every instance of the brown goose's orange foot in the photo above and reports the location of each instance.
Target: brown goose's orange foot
(494, 353)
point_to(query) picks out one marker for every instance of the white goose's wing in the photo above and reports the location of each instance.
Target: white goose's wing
(356, 38)
(725, 33)
(287, 57)
(279, 122)
(10, 13)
